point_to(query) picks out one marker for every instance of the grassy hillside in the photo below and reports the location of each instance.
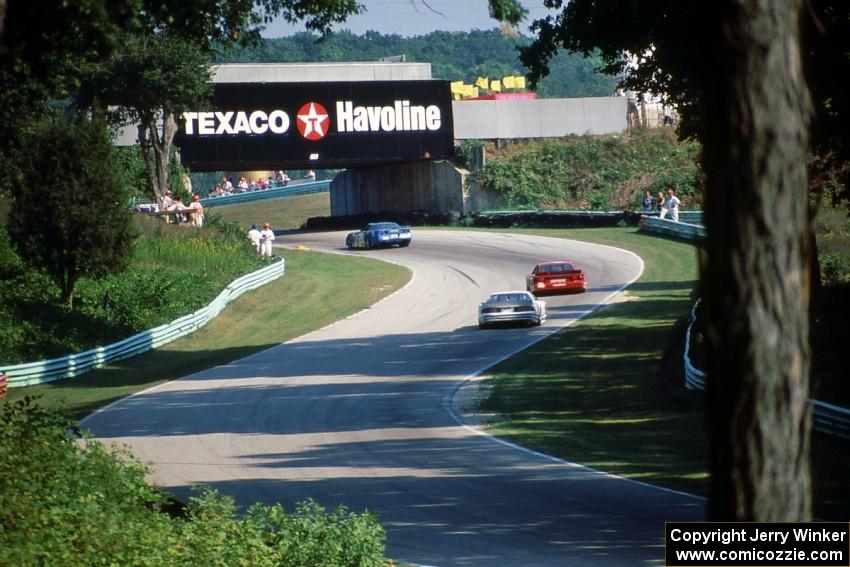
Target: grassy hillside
(594, 172)
(283, 214)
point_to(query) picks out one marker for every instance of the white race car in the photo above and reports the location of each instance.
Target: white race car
(511, 307)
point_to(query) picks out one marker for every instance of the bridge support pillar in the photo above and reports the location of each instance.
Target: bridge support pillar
(428, 186)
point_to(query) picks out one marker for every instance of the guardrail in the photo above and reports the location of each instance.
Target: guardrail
(70, 366)
(826, 418)
(291, 190)
(681, 230)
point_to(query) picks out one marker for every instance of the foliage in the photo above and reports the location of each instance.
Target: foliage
(594, 172)
(673, 54)
(465, 152)
(453, 56)
(833, 232)
(71, 214)
(72, 36)
(149, 81)
(173, 271)
(68, 502)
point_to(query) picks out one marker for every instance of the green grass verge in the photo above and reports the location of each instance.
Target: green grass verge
(283, 214)
(316, 290)
(608, 391)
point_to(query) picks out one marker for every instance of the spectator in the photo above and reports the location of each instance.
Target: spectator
(165, 204)
(178, 205)
(266, 240)
(647, 202)
(196, 217)
(310, 175)
(254, 237)
(673, 203)
(227, 185)
(282, 177)
(270, 183)
(661, 203)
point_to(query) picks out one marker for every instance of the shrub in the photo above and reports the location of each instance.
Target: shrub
(174, 271)
(594, 172)
(67, 502)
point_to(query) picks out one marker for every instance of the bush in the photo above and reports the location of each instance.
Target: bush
(594, 172)
(174, 271)
(66, 502)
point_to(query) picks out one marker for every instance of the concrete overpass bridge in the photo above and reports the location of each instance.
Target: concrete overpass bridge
(389, 125)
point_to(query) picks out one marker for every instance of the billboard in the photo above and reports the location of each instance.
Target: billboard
(318, 125)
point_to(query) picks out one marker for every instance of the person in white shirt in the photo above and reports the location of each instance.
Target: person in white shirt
(254, 237)
(311, 175)
(266, 240)
(673, 203)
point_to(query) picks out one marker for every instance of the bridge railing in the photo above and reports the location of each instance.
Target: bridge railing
(291, 190)
(71, 366)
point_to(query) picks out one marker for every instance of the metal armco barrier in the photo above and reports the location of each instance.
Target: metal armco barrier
(681, 230)
(291, 190)
(826, 418)
(70, 366)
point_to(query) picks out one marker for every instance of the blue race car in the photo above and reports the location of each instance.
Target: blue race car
(377, 234)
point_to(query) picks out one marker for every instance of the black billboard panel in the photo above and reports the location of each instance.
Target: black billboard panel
(317, 125)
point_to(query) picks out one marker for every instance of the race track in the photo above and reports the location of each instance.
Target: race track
(360, 413)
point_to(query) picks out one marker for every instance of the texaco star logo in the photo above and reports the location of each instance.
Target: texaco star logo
(312, 121)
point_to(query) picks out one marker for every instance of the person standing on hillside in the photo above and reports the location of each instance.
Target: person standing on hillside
(661, 203)
(673, 203)
(647, 202)
(196, 217)
(254, 237)
(266, 240)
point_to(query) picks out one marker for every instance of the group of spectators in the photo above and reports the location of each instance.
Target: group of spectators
(262, 239)
(244, 185)
(663, 204)
(192, 214)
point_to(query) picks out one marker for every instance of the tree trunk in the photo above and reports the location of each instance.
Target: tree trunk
(68, 283)
(2, 15)
(169, 127)
(156, 150)
(756, 277)
(150, 162)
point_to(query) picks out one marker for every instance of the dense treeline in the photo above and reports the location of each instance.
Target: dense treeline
(454, 56)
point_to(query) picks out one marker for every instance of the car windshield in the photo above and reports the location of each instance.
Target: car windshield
(510, 298)
(555, 268)
(382, 226)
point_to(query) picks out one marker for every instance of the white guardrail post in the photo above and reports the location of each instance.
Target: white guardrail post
(43, 371)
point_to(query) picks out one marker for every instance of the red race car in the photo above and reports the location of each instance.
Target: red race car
(554, 277)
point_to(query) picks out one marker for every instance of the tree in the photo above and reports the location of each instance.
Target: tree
(72, 217)
(150, 80)
(737, 70)
(46, 46)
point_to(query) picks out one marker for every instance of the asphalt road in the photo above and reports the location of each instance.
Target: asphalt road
(361, 413)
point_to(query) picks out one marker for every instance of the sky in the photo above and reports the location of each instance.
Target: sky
(411, 17)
